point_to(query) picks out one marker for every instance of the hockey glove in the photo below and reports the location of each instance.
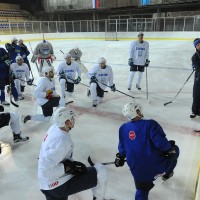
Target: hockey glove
(1, 108)
(29, 82)
(147, 63)
(93, 79)
(77, 81)
(130, 62)
(119, 160)
(172, 142)
(193, 67)
(75, 167)
(113, 88)
(62, 74)
(49, 94)
(170, 153)
(13, 76)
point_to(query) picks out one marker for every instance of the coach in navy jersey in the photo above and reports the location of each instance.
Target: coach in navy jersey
(148, 153)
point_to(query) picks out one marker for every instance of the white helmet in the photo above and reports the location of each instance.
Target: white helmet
(46, 70)
(130, 110)
(14, 39)
(101, 60)
(67, 55)
(18, 58)
(61, 115)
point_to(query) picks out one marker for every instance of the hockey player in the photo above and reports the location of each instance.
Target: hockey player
(20, 71)
(4, 75)
(44, 53)
(12, 119)
(24, 52)
(76, 54)
(13, 49)
(138, 59)
(67, 76)
(46, 96)
(100, 75)
(148, 153)
(59, 175)
(196, 86)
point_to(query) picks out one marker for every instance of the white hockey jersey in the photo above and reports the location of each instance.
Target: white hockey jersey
(104, 76)
(69, 70)
(21, 72)
(43, 50)
(139, 52)
(43, 85)
(57, 147)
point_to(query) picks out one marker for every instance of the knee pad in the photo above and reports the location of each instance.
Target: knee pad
(146, 186)
(14, 116)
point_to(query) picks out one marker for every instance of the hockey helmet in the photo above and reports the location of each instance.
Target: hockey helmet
(67, 55)
(196, 41)
(47, 69)
(14, 39)
(130, 110)
(101, 60)
(61, 115)
(140, 34)
(18, 58)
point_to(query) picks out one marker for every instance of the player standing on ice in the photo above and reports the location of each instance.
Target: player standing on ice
(196, 86)
(44, 53)
(12, 119)
(76, 54)
(46, 96)
(100, 75)
(13, 49)
(67, 77)
(24, 52)
(138, 59)
(20, 72)
(59, 175)
(148, 153)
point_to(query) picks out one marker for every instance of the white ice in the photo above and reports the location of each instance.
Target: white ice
(96, 130)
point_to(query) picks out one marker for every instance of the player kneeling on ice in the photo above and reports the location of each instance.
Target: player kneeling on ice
(148, 153)
(67, 77)
(12, 119)
(46, 96)
(59, 175)
(100, 75)
(20, 71)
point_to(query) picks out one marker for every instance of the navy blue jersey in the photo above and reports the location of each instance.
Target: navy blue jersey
(143, 143)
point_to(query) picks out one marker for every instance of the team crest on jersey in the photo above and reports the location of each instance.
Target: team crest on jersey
(132, 135)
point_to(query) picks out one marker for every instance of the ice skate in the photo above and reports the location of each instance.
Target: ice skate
(94, 103)
(5, 103)
(25, 118)
(138, 87)
(21, 97)
(18, 138)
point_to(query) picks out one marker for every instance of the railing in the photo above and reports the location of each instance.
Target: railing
(109, 25)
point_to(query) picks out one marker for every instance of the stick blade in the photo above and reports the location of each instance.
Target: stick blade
(167, 103)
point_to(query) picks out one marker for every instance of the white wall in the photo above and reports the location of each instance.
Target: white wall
(101, 36)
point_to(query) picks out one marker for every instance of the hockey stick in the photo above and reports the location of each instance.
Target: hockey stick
(26, 82)
(11, 92)
(33, 54)
(117, 90)
(147, 91)
(105, 163)
(179, 90)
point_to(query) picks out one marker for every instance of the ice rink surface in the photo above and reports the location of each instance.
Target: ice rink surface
(96, 130)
